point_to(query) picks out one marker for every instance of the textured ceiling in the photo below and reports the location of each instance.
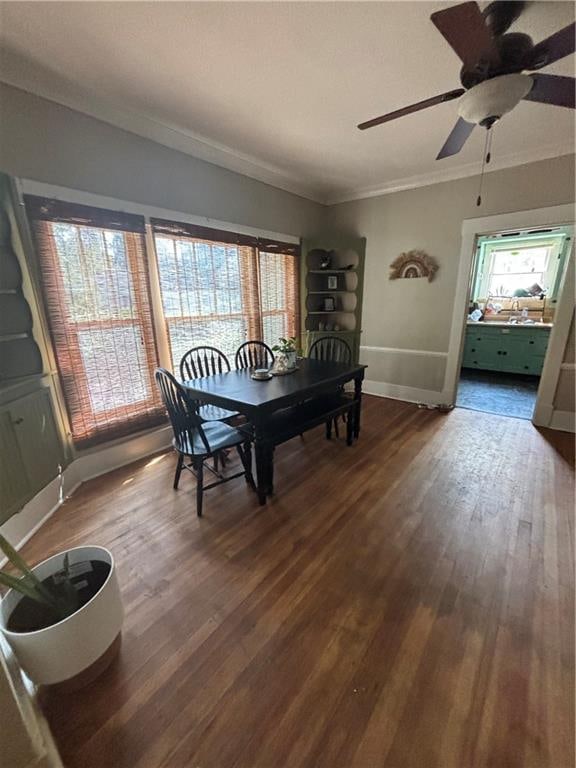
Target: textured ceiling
(275, 89)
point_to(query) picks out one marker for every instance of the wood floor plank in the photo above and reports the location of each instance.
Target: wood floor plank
(405, 602)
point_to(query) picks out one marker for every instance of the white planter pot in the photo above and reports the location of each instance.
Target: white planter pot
(66, 649)
(285, 360)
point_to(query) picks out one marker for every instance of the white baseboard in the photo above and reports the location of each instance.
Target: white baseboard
(96, 463)
(542, 414)
(546, 416)
(564, 421)
(24, 524)
(400, 392)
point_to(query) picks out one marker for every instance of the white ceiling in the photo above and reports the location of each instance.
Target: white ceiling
(275, 89)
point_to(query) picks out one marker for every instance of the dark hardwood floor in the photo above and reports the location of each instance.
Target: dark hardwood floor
(407, 602)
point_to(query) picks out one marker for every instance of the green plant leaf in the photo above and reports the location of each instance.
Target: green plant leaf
(20, 585)
(16, 560)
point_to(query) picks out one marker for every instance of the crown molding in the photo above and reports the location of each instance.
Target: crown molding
(169, 135)
(65, 93)
(525, 157)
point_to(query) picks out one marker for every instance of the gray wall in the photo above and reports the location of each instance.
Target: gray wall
(415, 314)
(44, 141)
(47, 142)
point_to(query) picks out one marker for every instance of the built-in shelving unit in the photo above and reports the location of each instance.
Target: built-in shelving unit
(332, 294)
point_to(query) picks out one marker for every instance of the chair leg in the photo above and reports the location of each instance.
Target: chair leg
(329, 429)
(349, 430)
(179, 466)
(199, 486)
(336, 426)
(216, 463)
(245, 453)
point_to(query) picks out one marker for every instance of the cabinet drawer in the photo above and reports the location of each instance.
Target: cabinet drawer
(536, 344)
(482, 334)
(482, 362)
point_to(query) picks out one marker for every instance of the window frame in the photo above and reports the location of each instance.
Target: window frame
(89, 426)
(251, 295)
(55, 192)
(489, 248)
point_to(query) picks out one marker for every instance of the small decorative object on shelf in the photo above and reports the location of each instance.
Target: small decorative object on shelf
(285, 359)
(329, 304)
(324, 257)
(413, 264)
(332, 282)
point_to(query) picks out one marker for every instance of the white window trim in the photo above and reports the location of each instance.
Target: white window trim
(30, 187)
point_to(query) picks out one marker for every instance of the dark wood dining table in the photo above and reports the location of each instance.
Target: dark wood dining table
(259, 400)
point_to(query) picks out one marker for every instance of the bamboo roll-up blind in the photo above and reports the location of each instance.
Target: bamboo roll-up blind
(220, 289)
(94, 277)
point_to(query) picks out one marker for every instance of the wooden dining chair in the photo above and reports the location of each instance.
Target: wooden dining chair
(197, 440)
(337, 351)
(331, 348)
(254, 354)
(200, 362)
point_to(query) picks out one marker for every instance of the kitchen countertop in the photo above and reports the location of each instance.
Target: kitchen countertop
(497, 324)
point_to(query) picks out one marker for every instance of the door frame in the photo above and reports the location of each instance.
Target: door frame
(472, 229)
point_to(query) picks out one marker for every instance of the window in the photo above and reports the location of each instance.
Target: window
(508, 267)
(220, 288)
(217, 288)
(278, 274)
(95, 281)
(517, 270)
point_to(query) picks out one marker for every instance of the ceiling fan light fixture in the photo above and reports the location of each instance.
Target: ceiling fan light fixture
(489, 100)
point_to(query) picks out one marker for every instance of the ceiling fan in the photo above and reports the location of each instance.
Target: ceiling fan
(492, 76)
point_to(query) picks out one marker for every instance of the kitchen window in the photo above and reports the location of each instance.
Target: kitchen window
(514, 268)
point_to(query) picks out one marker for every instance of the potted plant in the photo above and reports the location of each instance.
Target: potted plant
(61, 616)
(286, 348)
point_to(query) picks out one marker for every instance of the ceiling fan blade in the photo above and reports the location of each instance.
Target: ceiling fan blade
(456, 139)
(465, 29)
(501, 14)
(553, 89)
(412, 108)
(553, 48)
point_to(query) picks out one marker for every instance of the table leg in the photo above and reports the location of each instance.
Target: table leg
(270, 460)
(358, 406)
(261, 455)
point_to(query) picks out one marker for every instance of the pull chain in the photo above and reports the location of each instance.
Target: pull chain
(485, 161)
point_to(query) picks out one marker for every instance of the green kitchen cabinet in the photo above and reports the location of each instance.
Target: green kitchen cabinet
(510, 349)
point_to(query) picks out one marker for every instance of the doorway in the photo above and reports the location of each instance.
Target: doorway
(513, 293)
(542, 221)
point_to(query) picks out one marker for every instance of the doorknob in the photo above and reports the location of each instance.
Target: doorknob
(18, 420)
